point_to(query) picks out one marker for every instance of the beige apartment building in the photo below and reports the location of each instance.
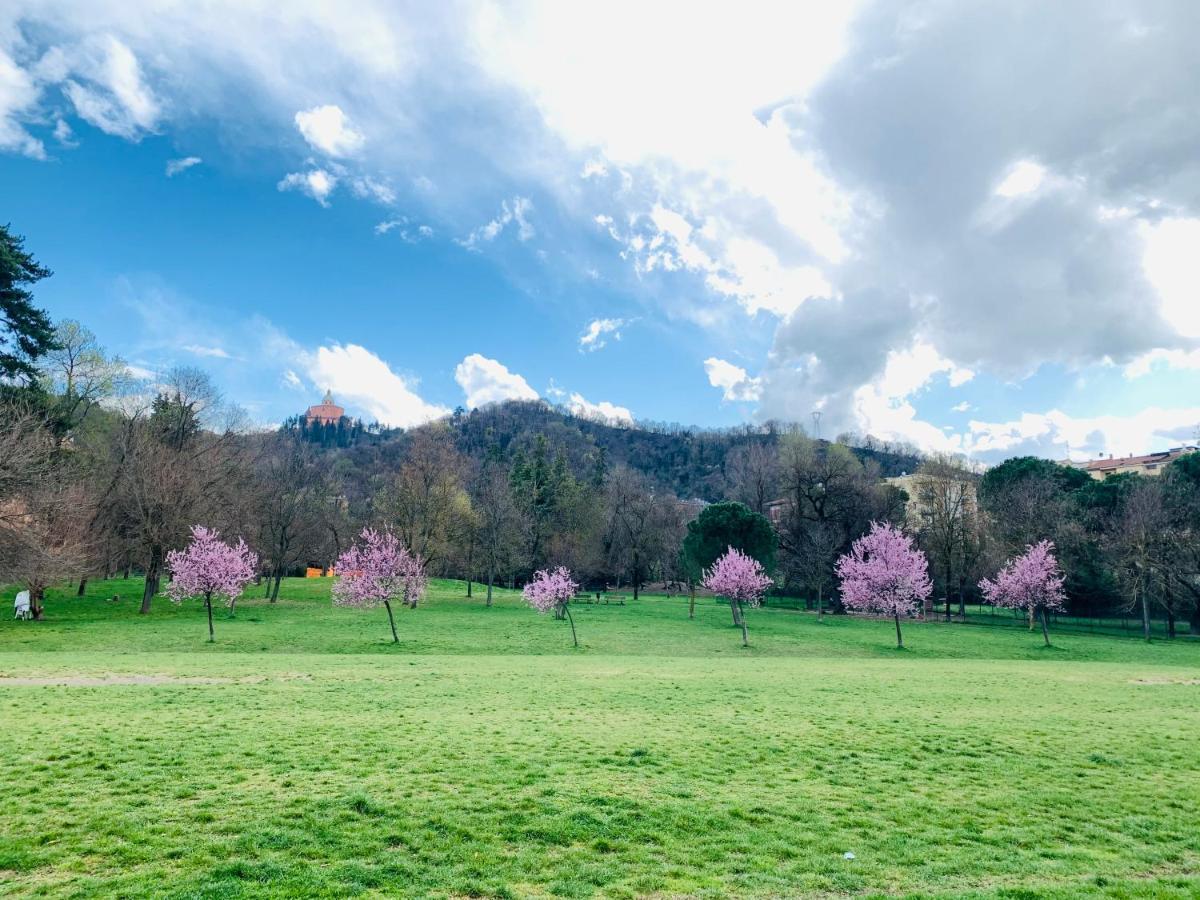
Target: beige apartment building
(1149, 464)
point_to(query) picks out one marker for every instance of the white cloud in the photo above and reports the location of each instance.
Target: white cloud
(1171, 359)
(316, 183)
(1172, 264)
(964, 406)
(603, 411)
(368, 188)
(112, 95)
(735, 383)
(910, 369)
(514, 212)
(403, 227)
(593, 338)
(361, 378)
(292, 380)
(1051, 433)
(175, 166)
(212, 352)
(485, 380)
(327, 129)
(18, 95)
(1023, 177)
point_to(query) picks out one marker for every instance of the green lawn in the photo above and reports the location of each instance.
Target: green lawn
(303, 754)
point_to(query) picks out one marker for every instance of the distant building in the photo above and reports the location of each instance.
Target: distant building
(932, 497)
(1149, 464)
(326, 412)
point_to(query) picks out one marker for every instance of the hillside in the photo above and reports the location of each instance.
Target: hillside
(689, 461)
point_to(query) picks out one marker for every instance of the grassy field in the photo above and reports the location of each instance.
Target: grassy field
(305, 755)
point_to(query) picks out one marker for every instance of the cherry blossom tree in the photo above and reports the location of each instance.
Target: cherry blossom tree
(1031, 582)
(208, 567)
(740, 579)
(884, 573)
(379, 569)
(551, 591)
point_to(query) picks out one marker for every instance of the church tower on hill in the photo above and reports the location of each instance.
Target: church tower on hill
(326, 412)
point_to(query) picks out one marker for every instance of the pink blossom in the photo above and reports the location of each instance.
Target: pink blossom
(1031, 581)
(208, 567)
(551, 591)
(376, 571)
(740, 579)
(884, 573)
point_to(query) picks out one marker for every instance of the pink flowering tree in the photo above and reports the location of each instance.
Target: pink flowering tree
(208, 567)
(551, 591)
(885, 574)
(1031, 582)
(377, 570)
(740, 579)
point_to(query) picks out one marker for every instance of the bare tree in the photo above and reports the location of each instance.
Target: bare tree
(288, 506)
(499, 526)
(752, 472)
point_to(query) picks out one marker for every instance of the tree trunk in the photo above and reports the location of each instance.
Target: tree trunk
(392, 622)
(208, 606)
(820, 601)
(567, 610)
(232, 607)
(962, 598)
(1194, 621)
(468, 585)
(491, 578)
(745, 633)
(733, 608)
(1170, 623)
(82, 586)
(153, 574)
(275, 586)
(36, 595)
(899, 637)
(691, 601)
(1146, 614)
(1045, 628)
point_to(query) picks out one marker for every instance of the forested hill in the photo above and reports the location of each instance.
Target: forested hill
(691, 462)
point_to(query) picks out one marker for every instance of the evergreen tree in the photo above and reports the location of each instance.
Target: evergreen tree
(25, 331)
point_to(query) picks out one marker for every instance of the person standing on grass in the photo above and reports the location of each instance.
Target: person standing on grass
(378, 570)
(208, 567)
(740, 579)
(884, 573)
(1030, 582)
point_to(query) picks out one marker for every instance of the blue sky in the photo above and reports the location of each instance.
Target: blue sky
(711, 217)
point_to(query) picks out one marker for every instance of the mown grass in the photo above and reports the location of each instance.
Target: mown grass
(305, 755)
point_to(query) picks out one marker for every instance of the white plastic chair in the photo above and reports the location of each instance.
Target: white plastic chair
(21, 606)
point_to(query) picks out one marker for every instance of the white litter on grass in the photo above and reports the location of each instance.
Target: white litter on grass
(847, 855)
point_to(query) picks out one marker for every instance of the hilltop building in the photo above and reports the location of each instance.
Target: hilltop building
(1148, 464)
(326, 412)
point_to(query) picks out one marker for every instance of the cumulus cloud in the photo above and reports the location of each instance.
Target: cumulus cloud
(316, 183)
(175, 166)
(327, 129)
(734, 381)
(838, 199)
(593, 338)
(485, 380)
(606, 412)
(359, 377)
